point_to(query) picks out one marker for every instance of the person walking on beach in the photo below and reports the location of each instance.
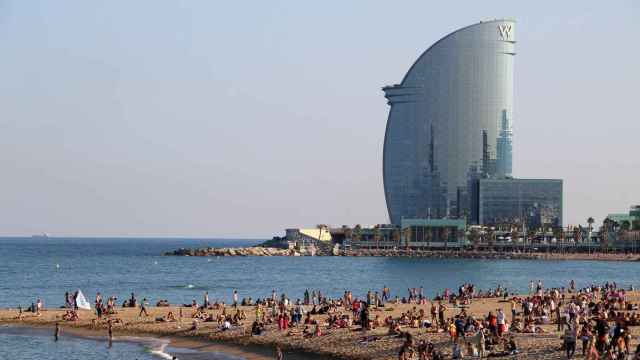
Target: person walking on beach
(570, 342)
(143, 308)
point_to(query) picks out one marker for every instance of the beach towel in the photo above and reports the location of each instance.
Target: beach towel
(81, 302)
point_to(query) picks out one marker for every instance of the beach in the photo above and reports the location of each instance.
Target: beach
(337, 343)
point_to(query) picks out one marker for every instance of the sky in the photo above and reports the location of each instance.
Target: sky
(238, 119)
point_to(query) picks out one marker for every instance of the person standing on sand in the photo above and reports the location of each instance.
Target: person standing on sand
(39, 307)
(441, 310)
(205, 300)
(235, 298)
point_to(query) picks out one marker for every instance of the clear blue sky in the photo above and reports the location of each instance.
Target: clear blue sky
(238, 119)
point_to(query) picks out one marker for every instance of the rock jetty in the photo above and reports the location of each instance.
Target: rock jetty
(328, 250)
(247, 251)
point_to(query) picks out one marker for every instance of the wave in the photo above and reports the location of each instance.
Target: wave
(189, 287)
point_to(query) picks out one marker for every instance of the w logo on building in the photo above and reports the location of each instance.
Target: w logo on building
(504, 31)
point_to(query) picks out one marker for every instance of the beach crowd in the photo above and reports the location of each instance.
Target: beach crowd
(592, 322)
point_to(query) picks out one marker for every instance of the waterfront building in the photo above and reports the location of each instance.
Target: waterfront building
(633, 217)
(310, 235)
(434, 233)
(536, 203)
(450, 122)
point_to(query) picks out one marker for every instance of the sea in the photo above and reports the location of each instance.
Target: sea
(46, 268)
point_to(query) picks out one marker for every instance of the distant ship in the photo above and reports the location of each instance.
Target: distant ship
(40, 236)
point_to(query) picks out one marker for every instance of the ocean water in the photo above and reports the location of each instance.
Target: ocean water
(23, 343)
(46, 268)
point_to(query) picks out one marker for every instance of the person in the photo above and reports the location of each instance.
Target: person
(514, 311)
(279, 354)
(456, 352)
(235, 298)
(38, 307)
(570, 342)
(493, 323)
(559, 318)
(585, 336)
(143, 308)
(110, 332)
(205, 300)
(441, 311)
(501, 322)
(512, 347)
(459, 327)
(56, 333)
(385, 294)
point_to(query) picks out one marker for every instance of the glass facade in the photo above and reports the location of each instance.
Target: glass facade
(535, 202)
(450, 122)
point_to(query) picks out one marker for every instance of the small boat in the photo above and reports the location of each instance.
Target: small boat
(40, 236)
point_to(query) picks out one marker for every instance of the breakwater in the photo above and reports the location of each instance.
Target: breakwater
(434, 254)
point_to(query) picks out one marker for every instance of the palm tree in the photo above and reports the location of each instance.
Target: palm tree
(474, 236)
(396, 236)
(491, 238)
(444, 235)
(530, 236)
(461, 234)
(407, 236)
(376, 237)
(590, 222)
(348, 234)
(514, 235)
(428, 236)
(357, 234)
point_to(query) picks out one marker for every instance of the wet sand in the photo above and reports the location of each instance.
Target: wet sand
(335, 343)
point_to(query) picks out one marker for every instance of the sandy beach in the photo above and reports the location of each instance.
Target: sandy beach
(337, 343)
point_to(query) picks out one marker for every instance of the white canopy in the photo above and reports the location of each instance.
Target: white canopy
(81, 301)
